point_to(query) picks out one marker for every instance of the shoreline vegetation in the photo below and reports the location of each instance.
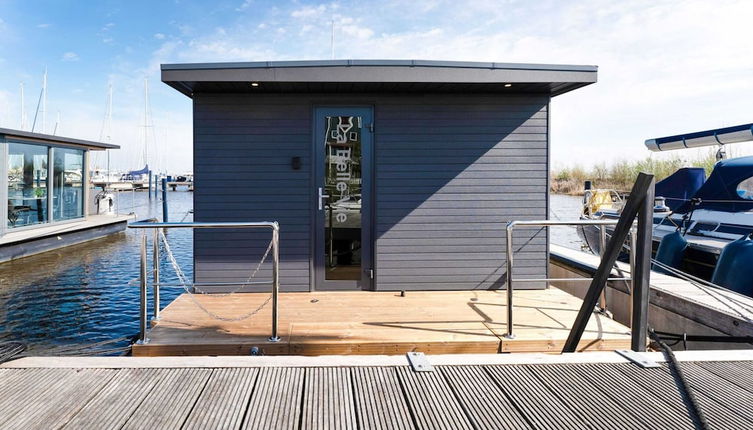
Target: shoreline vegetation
(621, 175)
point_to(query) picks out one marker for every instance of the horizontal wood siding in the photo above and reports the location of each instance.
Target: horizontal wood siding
(242, 151)
(450, 173)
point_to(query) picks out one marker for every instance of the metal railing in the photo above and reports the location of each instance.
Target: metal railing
(602, 224)
(158, 226)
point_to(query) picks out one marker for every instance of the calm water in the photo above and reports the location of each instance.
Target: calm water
(88, 293)
(81, 294)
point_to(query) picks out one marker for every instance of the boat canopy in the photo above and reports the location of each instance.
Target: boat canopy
(720, 191)
(681, 186)
(143, 171)
(716, 137)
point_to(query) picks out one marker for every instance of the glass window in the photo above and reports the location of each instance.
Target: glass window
(27, 184)
(67, 184)
(342, 214)
(745, 189)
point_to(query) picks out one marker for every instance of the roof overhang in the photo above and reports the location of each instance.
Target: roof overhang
(377, 76)
(26, 136)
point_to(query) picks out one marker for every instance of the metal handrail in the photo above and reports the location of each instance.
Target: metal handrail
(551, 223)
(158, 226)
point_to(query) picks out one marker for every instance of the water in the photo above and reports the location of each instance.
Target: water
(84, 294)
(88, 293)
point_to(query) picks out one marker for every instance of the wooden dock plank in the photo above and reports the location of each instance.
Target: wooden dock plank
(276, 401)
(328, 399)
(115, 404)
(380, 403)
(326, 323)
(617, 386)
(18, 392)
(717, 388)
(661, 382)
(486, 405)
(595, 409)
(433, 403)
(575, 395)
(53, 407)
(223, 402)
(738, 373)
(539, 405)
(170, 401)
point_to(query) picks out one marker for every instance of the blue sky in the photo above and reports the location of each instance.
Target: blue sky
(665, 66)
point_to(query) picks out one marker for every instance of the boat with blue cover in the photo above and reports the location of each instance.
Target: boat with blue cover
(694, 215)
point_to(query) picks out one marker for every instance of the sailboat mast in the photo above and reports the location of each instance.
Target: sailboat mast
(44, 101)
(146, 118)
(22, 122)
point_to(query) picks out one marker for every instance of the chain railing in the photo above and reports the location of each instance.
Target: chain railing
(159, 228)
(602, 224)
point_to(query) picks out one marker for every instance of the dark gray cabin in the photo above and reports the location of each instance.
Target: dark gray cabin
(383, 175)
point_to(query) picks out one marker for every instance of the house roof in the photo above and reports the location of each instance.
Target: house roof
(377, 76)
(55, 140)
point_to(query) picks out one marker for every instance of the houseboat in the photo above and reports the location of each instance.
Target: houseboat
(45, 181)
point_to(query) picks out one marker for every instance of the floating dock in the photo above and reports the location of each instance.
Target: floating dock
(22, 243)
(517, 391)
(325, 323)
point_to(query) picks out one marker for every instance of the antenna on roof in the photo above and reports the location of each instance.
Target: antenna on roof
(332, 39)
(22, 120)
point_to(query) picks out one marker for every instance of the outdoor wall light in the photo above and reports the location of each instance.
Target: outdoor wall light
(254, 84)
(508, 85)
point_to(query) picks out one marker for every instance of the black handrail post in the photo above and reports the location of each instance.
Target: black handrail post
(164, 199)
(633, 205)
(642, 275)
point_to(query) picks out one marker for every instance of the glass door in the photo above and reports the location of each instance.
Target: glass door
(343, 156)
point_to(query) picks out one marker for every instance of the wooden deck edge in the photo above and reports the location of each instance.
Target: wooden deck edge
(358, 360)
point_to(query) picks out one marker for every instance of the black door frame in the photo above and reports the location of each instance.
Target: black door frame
(318, 281)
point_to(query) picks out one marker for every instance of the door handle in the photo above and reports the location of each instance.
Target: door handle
(322, 196)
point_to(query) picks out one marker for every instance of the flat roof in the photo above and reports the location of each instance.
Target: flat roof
(395, 76)
(57, 140)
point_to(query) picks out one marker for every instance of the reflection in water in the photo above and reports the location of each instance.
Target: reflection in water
(85, 293)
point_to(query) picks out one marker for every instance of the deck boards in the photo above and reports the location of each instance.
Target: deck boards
(338, 323)
(538, 396)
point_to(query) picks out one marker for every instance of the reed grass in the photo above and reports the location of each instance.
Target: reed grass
(621, 175)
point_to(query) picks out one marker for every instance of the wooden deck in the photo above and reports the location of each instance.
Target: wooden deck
(582, 392)
(324, 323)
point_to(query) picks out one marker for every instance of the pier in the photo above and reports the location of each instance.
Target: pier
(521, 391)
(434, 322)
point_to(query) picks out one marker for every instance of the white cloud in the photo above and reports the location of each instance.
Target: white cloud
(665, 67)
(70, 56)
(159, 36)
(44, 25)
(245, 5)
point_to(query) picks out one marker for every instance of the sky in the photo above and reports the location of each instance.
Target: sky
(665, 67)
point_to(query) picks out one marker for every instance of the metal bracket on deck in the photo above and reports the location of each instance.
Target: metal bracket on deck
(419, 362)
(638, 358)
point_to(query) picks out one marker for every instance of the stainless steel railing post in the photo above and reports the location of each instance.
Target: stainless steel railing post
(509, 251)
(155, 268)
(275, 279)
(142, 293)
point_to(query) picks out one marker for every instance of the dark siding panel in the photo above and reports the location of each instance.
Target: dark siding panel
(242, 151)
(450, 172)
(450, 175)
